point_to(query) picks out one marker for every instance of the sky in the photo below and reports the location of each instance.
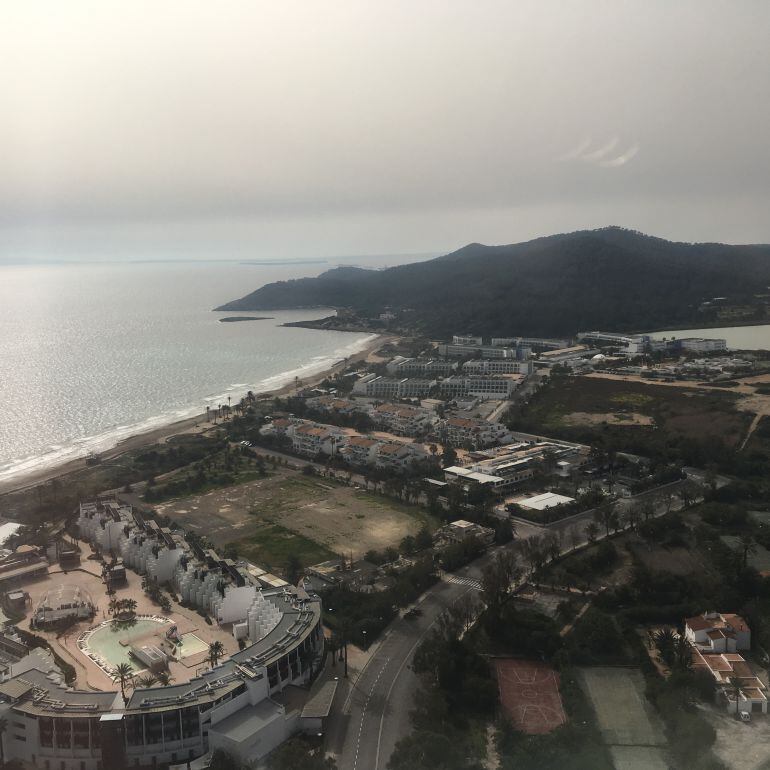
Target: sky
(191, 129)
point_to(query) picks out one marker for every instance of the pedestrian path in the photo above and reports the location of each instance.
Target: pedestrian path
(463, 581)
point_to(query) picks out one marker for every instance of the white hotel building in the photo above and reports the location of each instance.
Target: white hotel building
(239, 706)
(498, 366)
(481, 386)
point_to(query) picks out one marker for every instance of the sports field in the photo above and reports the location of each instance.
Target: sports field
(290, 513)
(629, 726)
(529, 692)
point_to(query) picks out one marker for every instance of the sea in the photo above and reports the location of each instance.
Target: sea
(91, 353)
(95, 352)
(737, 337)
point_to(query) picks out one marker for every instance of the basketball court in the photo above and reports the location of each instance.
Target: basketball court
(529, 693)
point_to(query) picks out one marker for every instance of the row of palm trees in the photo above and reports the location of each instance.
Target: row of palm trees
(223, 411)
(118, 607)
(123, 674)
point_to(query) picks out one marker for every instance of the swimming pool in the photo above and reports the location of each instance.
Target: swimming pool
(103, 643)
(191, 645)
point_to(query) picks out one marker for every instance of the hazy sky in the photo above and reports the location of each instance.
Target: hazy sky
(283, 129)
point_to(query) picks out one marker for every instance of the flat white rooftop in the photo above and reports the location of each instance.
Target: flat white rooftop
(466, 473)
(546, 500)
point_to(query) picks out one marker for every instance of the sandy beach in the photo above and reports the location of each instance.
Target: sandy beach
(197, 424)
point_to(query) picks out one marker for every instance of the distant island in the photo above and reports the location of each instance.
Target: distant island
(269, 262)
(611, 278)
(235, 318)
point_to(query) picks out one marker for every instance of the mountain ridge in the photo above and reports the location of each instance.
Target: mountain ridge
(609, 278)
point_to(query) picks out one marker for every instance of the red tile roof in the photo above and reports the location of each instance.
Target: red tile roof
(737, 622)
(717, 663)
(391, 449)
(361, 441)
(699, 623)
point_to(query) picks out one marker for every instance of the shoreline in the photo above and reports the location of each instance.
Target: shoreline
(194, 424)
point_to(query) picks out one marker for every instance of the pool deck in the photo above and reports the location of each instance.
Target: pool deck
(89, 675)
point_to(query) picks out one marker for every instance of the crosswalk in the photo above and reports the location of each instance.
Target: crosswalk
(463, 581)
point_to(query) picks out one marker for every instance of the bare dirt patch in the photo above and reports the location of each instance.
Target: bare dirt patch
(338, 518)
(609, 418)
(740, 744)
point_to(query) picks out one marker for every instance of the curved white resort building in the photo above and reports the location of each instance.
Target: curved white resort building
(246, 705)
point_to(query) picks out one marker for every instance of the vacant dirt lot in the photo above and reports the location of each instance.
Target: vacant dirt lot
(609, 402)
(288, 511)
(748, 399)
(740, 744)
(586, 418)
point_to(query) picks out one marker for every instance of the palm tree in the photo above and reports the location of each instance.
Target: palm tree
(216, 651)
(682, 653)
(687, 492)
(144, 681)
(122, 674)
(605, 515)
(748, 547)
(665, 641)
(130, 605)
(164, 678)
(736, 685)
(112, 607)
(3, 728)
(332, 645)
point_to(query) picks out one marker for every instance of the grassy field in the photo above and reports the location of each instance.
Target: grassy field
(376, 503)
(759, 441)
(628, 725)
(759, 558)
(271, 546)
(268, 518)
(51, 500)
(633, 412)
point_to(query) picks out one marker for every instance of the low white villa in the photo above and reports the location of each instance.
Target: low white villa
(715, 639)
(714, 632)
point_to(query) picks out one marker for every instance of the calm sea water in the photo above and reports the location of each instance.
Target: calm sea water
(93, 353)
(90, 354)
(737, 337)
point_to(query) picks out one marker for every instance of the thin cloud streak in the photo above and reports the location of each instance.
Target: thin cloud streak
(621, 160)
(596, 155)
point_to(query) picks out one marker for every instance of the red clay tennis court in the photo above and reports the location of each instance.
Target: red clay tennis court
(529, 692)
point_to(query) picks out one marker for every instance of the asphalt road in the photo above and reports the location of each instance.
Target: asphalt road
(375, 713)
